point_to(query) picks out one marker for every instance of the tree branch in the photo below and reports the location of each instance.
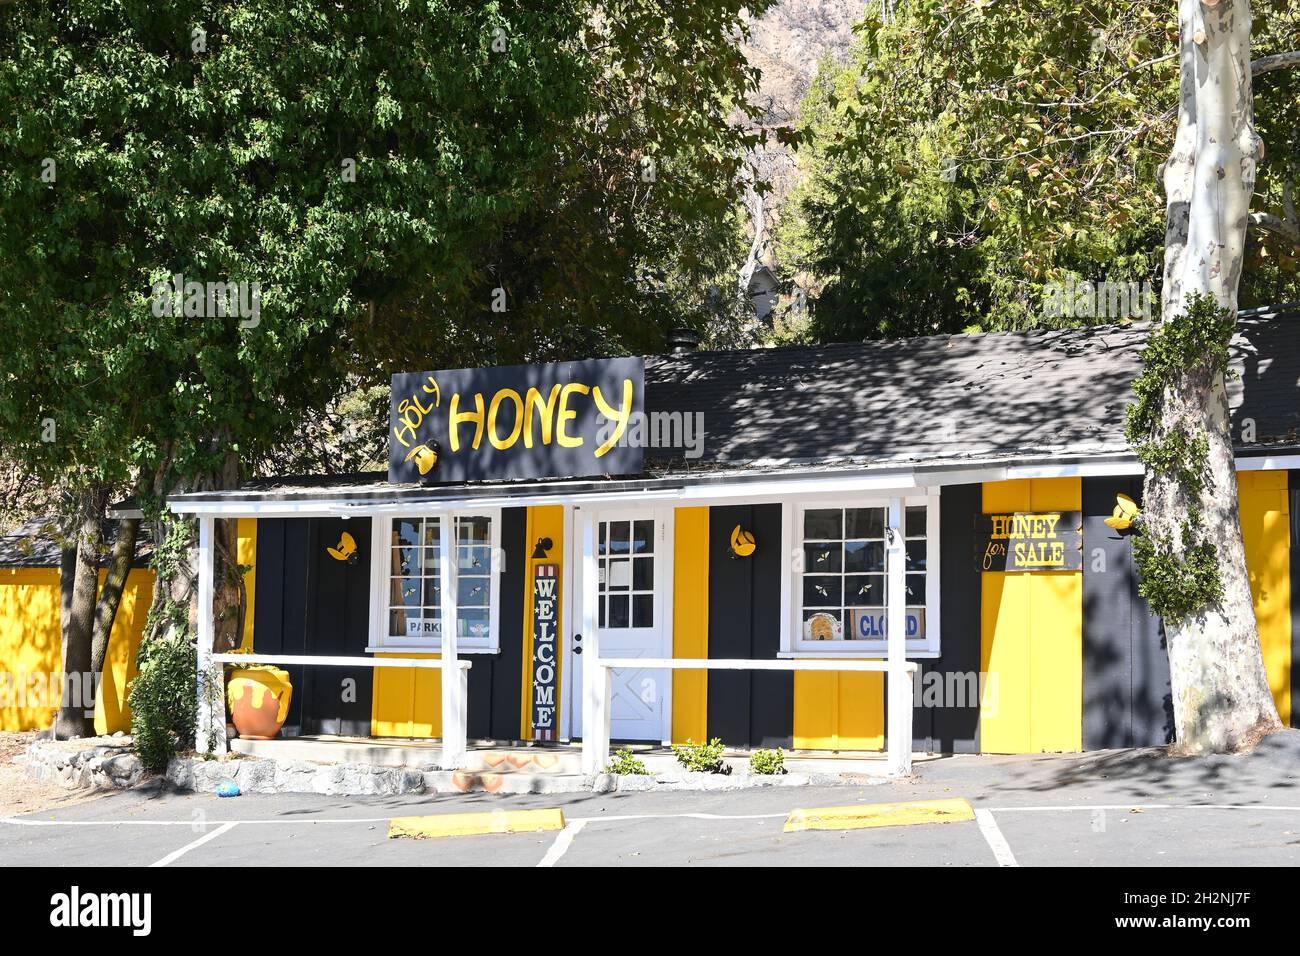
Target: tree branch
(1276, 226)
(1278, 61)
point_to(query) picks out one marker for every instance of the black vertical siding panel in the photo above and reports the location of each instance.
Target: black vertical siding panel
(508, 666)
(1126, 697)
(278, 625)
(947, 728)
(337, 700)
(771, 698)
(747, 708)
(731, 610)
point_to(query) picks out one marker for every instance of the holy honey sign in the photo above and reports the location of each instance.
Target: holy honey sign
(552, 420)
(1040, 541)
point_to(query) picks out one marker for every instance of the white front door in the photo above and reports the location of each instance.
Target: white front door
(633, 605)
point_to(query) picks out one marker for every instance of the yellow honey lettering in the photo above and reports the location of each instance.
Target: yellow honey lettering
(457, 417)
(567, 414)
(618, 415)
(503, 395)
(545, 409)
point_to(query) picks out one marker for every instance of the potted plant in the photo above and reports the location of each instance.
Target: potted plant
(259, 696)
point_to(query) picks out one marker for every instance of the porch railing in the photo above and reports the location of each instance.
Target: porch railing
(595, 740)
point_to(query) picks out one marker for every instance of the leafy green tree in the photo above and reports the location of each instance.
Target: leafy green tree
(970, 158)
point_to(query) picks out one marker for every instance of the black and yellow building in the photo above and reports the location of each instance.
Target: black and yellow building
(782, 505)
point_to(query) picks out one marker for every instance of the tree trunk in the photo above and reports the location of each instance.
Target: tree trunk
(1221, 696)
(110, 596)
(76, 717)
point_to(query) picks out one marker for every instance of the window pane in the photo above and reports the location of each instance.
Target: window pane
(431, 537)
(864, 556)
(604, 534)
(472, 591)
(916, 555)
(861, 590)
(406, 531)
(822, 558)
(643, 574)
(643, 537)
(476, 530)
(405, 561)
(864, 523)
(914, 527)
(619, 575)
(619, 536)
(823, 523)
(865, 623)
(602, 603)
(407, 591)
(474, 559)
(822, 591)
(474, 624)
(415, 624)
(916, 589)
(823, 626)
(618, 610)
(643, 610)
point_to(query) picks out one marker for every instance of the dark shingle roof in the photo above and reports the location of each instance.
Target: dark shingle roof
(36, 545)
(951, 397)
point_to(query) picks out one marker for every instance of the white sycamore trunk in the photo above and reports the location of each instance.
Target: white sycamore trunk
(1221, 695)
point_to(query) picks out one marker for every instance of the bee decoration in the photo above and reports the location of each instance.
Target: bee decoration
(1126, 514)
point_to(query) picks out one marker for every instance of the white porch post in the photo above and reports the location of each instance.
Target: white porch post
(210, 725)
(453, 678)
(595, 679)
(899, 719)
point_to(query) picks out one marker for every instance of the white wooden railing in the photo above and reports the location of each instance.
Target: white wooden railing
(595, 728)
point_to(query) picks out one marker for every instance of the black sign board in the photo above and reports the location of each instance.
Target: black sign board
(558, 420)
(1024, 541)
(546, 604)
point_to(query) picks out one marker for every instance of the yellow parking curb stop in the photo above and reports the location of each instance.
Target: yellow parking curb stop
(474, 824)
(879, 815)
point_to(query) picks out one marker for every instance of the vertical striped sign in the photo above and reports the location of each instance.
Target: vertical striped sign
(546, 606)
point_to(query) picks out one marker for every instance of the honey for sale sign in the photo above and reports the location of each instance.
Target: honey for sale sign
(1023, 541)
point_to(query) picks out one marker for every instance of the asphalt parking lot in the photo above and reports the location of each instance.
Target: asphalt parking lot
(1116, 808)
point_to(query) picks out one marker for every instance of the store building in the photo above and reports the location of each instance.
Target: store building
(775, 514)
(735, 560)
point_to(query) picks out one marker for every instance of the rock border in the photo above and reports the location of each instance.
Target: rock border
(110, 763)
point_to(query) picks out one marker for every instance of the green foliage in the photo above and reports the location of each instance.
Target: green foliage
(624, 763)
(163, 700)
(767, 761)
(1178, 580)
(968, 158)
(1177, 586)
(702, 758)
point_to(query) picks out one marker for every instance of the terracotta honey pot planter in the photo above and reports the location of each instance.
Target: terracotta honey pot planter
(259, 697)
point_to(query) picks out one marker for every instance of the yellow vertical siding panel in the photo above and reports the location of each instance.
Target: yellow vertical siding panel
(1031, 637)
(544, 521)
(860, 715)
(246, 554)
(1056, 661)
(407, 701)
(1265, 531)
(111, 710)
(29, 644)
(691, 622)
(816, 708)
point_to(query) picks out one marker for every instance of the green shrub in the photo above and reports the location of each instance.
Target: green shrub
(624, 764)
(767, 761)
(702, 758)
(163, 700)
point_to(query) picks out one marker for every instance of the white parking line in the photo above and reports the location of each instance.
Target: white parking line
(563, 840)
(212, 835)
(996, 841)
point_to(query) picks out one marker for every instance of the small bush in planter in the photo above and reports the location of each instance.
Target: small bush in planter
(624, 764)
(702, 758)
(767, 761)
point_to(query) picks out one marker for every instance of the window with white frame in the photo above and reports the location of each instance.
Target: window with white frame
(840, 592)
(410, 580)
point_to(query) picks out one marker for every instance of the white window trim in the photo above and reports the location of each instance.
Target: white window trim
(792, 643)
(381, 642)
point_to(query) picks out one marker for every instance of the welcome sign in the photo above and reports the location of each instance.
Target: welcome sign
(1041, 541)
(555, 420)
(546, 602)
